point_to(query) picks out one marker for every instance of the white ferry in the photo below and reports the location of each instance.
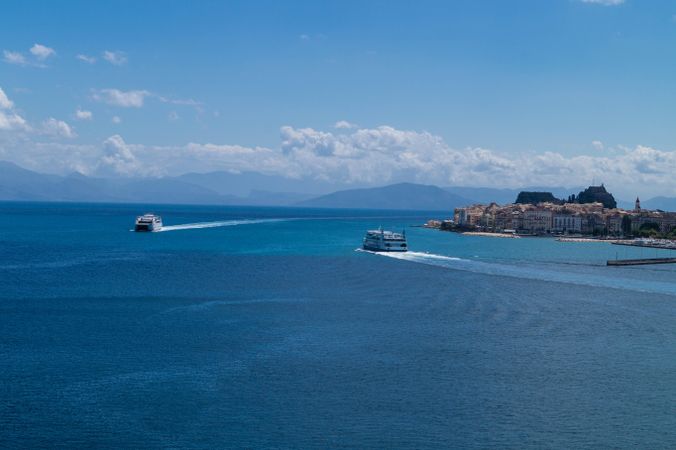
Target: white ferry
(385, 241)
(148, 222)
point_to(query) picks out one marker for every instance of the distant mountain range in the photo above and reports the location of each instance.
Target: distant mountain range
(663, 203)
(394, 196)
(224, 188)
(255, 189)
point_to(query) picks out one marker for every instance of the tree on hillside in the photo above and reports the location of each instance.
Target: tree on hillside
(597, 194)
(626, 225)
(533, 198)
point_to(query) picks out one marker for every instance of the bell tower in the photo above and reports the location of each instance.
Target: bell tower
(637, 205)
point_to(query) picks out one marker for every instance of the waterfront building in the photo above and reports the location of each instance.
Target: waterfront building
(567, 223)
(594, 223)
(470, 216)
(538, 220)
(615, 221)
(549, 217)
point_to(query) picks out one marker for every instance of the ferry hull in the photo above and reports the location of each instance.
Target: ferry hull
(144, 228)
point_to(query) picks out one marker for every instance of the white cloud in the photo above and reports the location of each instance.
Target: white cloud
(364, 156)
(233, 158)
(178, 101)
(116, 58)
(81, 114)
(119, 159)
(86, 58)
(5, 102)
(10, 121)
(385, 154)
(38, 52)
(312, 37)
(14, 58)
(604, 2)
(116, 120)
(136, 98)
(344, 125)
(58, 128)
(125, 99)
(42, 52)
(598, 145)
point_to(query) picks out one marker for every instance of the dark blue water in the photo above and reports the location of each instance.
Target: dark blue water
(263, 327)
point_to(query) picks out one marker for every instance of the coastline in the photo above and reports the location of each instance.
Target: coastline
(487, 234)
(587, 239)
(665, 244)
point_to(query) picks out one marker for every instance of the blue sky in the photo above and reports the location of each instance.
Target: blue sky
(449, 92)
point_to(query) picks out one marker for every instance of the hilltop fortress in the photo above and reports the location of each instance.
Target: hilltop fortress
(593, 211)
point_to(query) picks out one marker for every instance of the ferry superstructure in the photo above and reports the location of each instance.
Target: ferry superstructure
(148, 222)
(385, 241)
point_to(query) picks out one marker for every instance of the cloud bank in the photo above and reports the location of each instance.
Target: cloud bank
(362, 156)
(347, 155)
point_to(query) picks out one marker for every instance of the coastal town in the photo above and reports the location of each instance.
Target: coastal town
(593, 213)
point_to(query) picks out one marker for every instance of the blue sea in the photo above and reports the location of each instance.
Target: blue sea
(242, 327)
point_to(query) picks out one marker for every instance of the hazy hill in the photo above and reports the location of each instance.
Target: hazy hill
(17, 183)
(535, 197)
(663, 203)
(394, 196)
(250, 188)
(244, 183)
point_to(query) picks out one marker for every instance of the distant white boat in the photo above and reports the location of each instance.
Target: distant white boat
(148, 222)
(385, 241)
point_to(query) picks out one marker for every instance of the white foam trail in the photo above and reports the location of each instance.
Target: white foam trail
(224, 223)
(529, 272)
(413, 256)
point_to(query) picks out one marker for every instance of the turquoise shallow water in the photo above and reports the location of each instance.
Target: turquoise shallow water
(264, 327)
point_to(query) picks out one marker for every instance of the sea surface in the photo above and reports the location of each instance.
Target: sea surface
(241, 327)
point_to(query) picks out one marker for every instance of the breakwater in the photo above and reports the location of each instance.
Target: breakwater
(640, 262)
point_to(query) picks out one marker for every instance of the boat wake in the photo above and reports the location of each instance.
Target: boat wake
(224, 223)
(529, 271)
(421, 257)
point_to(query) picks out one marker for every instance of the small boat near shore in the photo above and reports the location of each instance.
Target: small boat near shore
(385, 241)
(148, 222)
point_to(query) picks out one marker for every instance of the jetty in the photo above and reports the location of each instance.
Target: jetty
(639, 262)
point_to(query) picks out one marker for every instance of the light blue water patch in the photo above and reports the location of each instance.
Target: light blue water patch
(611, 278)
